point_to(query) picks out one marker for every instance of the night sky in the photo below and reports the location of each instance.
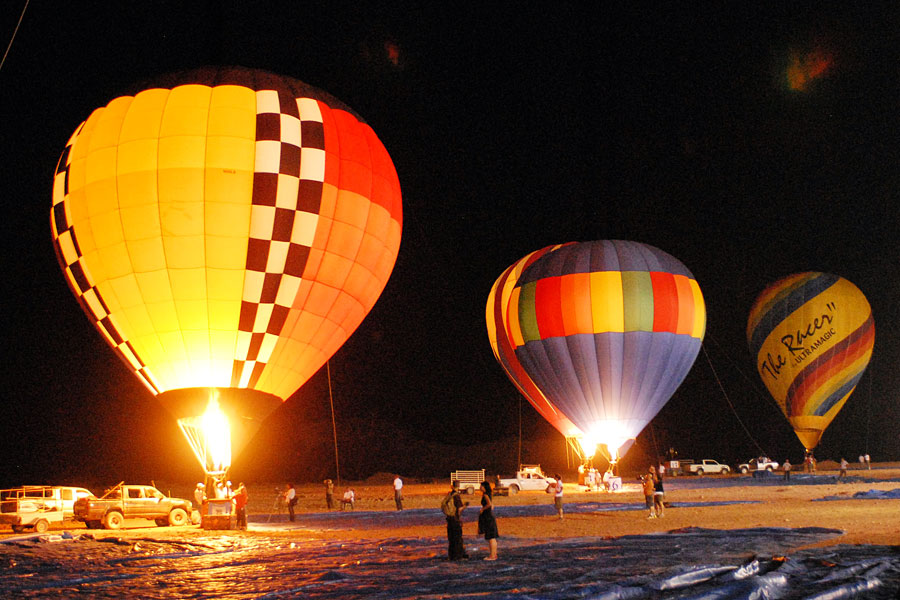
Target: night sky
(749, 140)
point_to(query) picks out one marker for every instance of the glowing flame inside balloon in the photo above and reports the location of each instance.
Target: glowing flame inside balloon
(588, 446)
(210, 437)
(609, 434)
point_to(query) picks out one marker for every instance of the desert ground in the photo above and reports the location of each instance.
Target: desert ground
(711, 502)
(720, 535)
(767, 502)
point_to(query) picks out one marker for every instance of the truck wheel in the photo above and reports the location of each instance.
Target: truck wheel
(114, 520)
(470, 490)
(726, 471)
(513, 490)
(769, 469)
(699, 472)
(42, 525)
(162, 522)
(744, 470)
(178, 517)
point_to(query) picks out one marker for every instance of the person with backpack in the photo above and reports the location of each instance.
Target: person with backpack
(452, 507)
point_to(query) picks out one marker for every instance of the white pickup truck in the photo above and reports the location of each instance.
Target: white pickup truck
(707, 466)
(36, 506)
(758, 464)
(528, 478)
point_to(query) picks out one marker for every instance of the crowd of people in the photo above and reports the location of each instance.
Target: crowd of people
(453, 505)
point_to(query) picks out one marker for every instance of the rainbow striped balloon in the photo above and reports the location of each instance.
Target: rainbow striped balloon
(812, 335)
(607, 331)
(496, 316)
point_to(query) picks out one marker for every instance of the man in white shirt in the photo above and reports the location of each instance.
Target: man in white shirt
(290, 498)
(398, 492)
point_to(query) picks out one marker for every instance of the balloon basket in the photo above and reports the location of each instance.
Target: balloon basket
(218, 514)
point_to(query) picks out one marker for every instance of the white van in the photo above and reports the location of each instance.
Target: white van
(38, 505)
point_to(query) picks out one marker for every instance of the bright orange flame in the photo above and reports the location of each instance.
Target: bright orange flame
(214, 425)
(209, 435)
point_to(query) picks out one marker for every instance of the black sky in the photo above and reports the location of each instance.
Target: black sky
(510, 129)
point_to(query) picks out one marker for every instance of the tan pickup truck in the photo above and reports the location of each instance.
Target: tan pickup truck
(132, 502)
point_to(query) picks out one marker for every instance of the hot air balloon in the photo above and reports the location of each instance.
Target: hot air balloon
(226, 230)
(607, 331)
(497, 325)
(812, 335)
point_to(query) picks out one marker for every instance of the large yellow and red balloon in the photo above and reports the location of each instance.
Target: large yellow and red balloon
(227, 228)
(812, 335)
(605, 330)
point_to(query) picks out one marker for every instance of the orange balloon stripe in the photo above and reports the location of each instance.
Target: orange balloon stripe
(807, 383)
(686, 305)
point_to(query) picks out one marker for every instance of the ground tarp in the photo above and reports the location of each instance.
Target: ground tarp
(691, 563)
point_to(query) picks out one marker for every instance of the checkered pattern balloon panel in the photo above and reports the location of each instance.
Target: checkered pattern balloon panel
(229, 234)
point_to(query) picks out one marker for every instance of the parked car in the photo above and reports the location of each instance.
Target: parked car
(36, 506)
(758, 464)
(132, 501)
(707, 466)
(528, 478)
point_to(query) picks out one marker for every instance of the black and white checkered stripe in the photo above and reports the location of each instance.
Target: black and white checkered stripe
(287, 192)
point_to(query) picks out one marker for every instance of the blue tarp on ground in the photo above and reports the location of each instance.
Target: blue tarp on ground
(691, 563)
(869, 495)
(432, 516)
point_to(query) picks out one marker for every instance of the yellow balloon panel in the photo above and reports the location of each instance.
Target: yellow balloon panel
(227, 232)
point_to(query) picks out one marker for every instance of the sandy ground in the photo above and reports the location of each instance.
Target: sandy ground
(774, 503)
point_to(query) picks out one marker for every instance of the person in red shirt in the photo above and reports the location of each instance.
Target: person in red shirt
(240, 505)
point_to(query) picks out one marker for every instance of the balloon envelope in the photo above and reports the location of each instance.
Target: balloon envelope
(607, 331)
(812, 335)
(226, 228)
(498, 328)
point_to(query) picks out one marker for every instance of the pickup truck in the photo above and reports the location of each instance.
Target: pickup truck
(528, 478)
(129, 502)
(36, 506)
(708, 466)
(758, 464)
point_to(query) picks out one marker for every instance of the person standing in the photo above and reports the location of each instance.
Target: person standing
(290, 498)
(200, 496)
(787, 470)
(455, 548)
(487, 523)
(843, 472)
(868, 462)
(558, 496)
(329, 493)
(647, 486)
(658, 495)
(240, 506)
(398, 492)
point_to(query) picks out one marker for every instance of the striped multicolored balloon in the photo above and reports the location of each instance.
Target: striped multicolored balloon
(812, 335)
(496, 316)
(607, 330)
